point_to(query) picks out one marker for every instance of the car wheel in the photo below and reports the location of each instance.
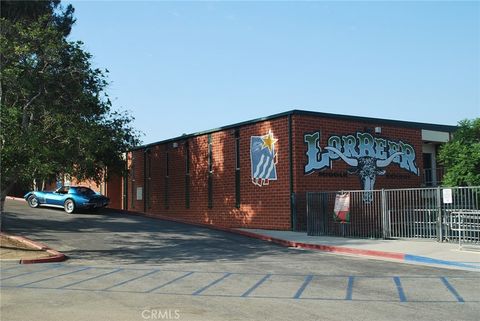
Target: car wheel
(32, 201)
(69, 206)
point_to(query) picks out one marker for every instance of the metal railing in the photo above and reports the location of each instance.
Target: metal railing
(411, 213)
(443, 214)
(467, 225)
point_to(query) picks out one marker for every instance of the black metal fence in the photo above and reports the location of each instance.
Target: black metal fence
(427, 213)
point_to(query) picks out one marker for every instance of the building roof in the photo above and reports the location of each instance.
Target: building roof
(376, 121)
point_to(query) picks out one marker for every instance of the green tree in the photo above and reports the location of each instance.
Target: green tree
(461, 156)
(56, 116)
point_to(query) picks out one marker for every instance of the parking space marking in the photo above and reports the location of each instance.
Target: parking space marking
(52, 277)
(349, 294)
(279, 285)
(401, 293)
(252, 297)
(380, 288)
(426, 290)
(10, 268)
(302, 288)
(469, 288)
(256, 285)
(31, 272)
(130, 280)
(234, 285)
(169, 282)
(411, 289)
(91, 278)
(323, 287)
(226, 275)
(452, 289)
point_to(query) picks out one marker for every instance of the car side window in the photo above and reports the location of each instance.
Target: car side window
(63, 190)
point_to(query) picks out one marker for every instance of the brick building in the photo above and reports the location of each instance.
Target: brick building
(255, 174)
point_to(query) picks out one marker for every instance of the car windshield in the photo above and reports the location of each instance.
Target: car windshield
(84, 191)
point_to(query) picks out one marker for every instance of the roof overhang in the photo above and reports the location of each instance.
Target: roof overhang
(435, 136)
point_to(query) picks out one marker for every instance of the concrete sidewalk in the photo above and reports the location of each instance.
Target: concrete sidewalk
(424, 252)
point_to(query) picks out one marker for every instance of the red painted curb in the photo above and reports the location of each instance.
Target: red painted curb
(286, 243)
(322, 247)
(56, 256)
(15, 198)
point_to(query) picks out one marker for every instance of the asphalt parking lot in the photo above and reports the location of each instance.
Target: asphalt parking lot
(133, 268)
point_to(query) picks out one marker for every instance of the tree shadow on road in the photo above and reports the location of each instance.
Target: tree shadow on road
(132, 239)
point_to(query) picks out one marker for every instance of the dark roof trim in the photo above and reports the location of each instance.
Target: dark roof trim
(377, 121)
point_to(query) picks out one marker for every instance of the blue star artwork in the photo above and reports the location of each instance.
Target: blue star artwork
(263, 159)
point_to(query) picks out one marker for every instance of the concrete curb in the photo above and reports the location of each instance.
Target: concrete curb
(56, 256)
(428, 260)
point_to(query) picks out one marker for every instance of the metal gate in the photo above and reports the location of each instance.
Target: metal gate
(365, 219)
(444, 214)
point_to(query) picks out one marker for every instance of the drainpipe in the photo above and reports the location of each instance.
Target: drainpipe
(145, 152)
(125, 184)
(293, 212)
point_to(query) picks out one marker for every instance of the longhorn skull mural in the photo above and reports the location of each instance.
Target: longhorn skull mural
(367, 168)
(368, 156)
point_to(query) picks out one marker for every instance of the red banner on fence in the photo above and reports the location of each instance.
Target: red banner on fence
(342, 208)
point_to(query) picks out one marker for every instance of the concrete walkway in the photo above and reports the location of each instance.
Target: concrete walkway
(425, 252)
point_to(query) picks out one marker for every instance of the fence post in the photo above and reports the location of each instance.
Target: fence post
(385, 223)
(439, 215)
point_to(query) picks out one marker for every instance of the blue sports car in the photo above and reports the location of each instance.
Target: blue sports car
(69, 198)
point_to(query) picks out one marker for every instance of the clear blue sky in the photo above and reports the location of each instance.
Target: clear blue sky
(182, 67)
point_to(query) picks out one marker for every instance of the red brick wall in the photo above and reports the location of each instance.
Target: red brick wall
(261, 207)
(97, 187)
(327, 127)
(114, 191)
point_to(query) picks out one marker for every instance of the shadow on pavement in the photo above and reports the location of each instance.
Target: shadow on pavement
(132, 239)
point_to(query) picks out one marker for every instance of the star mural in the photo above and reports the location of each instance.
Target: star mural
(263, 158)
(269, 141)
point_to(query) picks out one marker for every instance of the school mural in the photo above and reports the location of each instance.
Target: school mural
(263, 159)
(368, 156)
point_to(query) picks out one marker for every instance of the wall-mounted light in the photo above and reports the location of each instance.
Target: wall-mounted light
(175, 145)
(378, 130)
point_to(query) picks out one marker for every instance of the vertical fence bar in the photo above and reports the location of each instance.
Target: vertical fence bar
(403, 220)
(439, 215)
(385, 233)
(395, 211)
